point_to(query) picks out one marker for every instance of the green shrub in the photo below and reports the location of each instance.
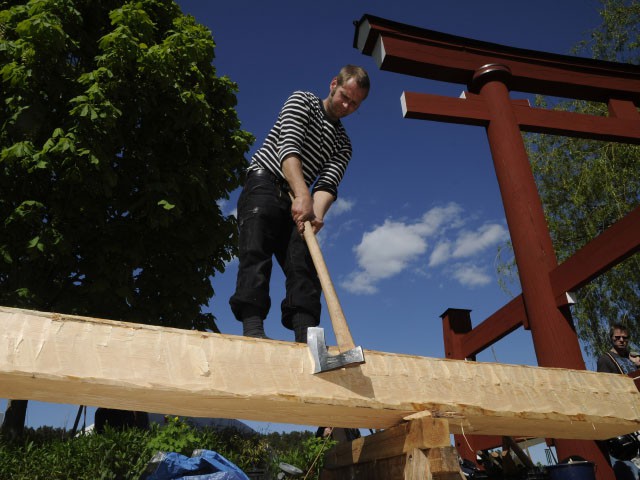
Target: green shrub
(51, 454)
(307, 455)
(112, 455)
(175, 436)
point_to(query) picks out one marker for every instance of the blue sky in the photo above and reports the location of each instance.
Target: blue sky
(419, 219)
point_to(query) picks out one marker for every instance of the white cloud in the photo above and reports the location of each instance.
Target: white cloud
(396, 246)
(440, 254)
(340, 206)
(387, 250)
(470, 243)
(470, 275)
(359, 283)
(434, 219)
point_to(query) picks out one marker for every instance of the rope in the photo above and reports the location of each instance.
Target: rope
(324, 445)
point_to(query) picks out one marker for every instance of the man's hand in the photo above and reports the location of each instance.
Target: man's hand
(317, 224)
(302, 211)
(304, 207)
(302, 203)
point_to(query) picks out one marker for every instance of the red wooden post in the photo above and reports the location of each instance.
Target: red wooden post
(456, 323)
(554, 337)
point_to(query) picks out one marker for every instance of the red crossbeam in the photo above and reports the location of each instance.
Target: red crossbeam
(471, 110)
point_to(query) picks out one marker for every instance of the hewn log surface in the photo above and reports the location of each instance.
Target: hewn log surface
(78, 360)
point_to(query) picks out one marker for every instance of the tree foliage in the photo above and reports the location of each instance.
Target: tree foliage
(117, 140)
(586, 186)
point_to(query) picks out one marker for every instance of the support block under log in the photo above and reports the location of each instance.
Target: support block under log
(80, 360)
(443, 464)
(416, 450)
(396, 441)
(435, 464)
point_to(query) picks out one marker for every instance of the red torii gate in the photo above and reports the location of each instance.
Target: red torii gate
(489, 71)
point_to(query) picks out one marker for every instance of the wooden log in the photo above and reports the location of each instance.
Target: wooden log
(78, 360)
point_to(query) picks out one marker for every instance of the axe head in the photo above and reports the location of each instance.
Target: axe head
(325, 362)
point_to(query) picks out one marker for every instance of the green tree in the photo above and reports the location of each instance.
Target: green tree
(585, 186)
(118, 139)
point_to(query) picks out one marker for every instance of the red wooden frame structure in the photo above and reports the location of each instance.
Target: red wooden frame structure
(490, 71)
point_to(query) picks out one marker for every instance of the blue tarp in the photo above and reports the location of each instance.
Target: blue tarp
(203, 465)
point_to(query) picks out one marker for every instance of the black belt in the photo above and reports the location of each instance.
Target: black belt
(263, 172)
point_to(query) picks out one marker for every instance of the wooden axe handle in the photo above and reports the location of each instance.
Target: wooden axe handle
(339, 323)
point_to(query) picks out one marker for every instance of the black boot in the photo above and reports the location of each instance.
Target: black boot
(253, 327)
(300, 323)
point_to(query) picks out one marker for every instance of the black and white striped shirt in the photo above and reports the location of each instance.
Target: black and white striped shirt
(303, 128)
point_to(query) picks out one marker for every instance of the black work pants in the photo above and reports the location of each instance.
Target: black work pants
(266, 230)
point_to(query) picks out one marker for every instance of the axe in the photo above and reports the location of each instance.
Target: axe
(349, 355)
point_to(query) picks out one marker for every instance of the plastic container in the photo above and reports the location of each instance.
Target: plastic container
(572, 471)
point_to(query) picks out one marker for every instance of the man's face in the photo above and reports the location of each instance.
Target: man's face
(620, 339)
(344, 99)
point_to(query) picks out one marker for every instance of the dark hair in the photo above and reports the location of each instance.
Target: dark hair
(617, 326)
(359, 74)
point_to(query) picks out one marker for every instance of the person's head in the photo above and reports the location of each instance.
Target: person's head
(347, 91)
(358, 74)
(619, 335)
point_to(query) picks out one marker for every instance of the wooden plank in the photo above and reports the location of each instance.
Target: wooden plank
(411, 50)
(443, 464)
(416, 466)
(67, 359)
(512, 445)
(623, 109)
(471, 110)
(496, 327)
(384, 469)
(438, 463)
(403, 445)
(571, 124)
(421, 433)
(618, 242)
(438, 108)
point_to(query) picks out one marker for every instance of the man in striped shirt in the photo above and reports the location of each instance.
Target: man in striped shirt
(305, 154)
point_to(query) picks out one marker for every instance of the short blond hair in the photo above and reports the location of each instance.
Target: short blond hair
(359, 74)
